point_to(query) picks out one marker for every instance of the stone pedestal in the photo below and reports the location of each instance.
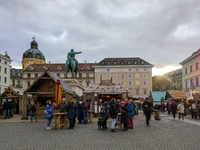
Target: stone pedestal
(75, 85)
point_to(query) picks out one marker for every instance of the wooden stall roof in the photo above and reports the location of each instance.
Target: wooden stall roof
(106, 88)
(15, 92)
(176, 94)
(45, 75)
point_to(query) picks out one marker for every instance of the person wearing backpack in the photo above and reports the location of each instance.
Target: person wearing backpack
(104, 113)
(32, 109)
(86, 107)
(195, 109)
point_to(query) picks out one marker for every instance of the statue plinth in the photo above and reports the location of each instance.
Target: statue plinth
(75, 85)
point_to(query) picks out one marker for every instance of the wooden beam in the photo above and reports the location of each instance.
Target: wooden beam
(45, 78)
(10, 97)
(44, 93)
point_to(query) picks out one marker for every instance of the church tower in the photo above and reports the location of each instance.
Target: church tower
(33, 55)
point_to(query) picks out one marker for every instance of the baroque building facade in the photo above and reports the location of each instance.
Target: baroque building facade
(191, 71)
(4, 72)
(135, 74)
(16, 77)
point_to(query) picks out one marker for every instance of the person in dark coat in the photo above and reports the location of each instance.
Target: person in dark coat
(118, 109)
(147, 110)
(70, 112)
(86, 107)
(75, 112)
(113, 113)
(80, 112)
(104, 113)
(124, 111)
(12, 107)
(173, 108)
(6, 108)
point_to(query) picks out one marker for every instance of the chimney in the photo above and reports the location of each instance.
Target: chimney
(85, 61)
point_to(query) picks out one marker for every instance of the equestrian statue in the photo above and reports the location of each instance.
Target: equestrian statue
(72, 63)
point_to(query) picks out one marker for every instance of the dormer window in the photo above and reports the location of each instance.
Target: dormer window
(142, 62)
(122, 62)
(59, 68)
(30, 68)
(108, 63)
(129, 62)
(38, 56)
(88, 68)
(45, 68)
(102, 63)
(115, 62)
(135, 62)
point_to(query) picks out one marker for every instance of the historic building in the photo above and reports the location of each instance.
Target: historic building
(33, 55)
(33, 71)
(191, 71)
(4, 72)
(135, 74)
(175, 78)
(16, 78)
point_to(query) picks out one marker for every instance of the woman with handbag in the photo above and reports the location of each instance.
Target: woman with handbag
(49, 114)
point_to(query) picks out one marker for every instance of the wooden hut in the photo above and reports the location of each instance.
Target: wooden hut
(176, 95)
(98, 93)
(43, 89)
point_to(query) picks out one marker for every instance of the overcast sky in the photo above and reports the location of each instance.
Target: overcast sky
(163, 33)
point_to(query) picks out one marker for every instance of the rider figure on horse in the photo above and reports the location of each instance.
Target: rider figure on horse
(70, 57)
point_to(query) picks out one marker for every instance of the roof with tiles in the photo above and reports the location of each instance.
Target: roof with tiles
(56, 67)
(106, 88)
(126, 61)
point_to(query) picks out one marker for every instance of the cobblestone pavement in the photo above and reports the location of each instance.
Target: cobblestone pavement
(165, 134)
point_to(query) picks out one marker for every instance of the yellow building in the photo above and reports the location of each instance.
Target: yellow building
(33, 55)
(134, 74)
(191, 71)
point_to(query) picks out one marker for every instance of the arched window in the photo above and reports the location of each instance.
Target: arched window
(135, 62)
(122, 62)
(129, 62)
(142, 62)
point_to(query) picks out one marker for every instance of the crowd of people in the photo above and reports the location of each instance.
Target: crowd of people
(73, 108)
(8, 108)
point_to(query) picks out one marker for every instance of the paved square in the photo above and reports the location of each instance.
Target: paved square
(165, 134)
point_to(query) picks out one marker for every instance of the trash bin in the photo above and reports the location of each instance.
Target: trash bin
(157, 115)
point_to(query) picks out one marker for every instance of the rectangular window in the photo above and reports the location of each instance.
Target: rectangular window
(65, 75)
(0, 61)
(122, 76)
(130, 76)
(0, 80)
(80, 75)
(115, 76)
(186, 86)
(129, 69)
(137, 76)
(144, 76)
(145, 83)
(19, 74)
(107, 76)
(145, 91)
(28, 75)
(197, 66)
(0, 90)
(5, 80)
(190, 83)
(115, 82)
(108, 70)
(87, 75)
(130, 83)
(197, 81)
(87, 83)
(0, 68)
(137, 91)
(137, 83)
(6, 62)
(5, 70)
(190, 68)
(80, 82)
(185, 70)
(100, 76)
(28, 84)
(58, 74)
(36, 75)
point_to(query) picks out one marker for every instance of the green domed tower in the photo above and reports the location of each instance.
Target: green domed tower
(33, 55)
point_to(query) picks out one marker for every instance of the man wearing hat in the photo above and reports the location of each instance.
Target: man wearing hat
(147, 110)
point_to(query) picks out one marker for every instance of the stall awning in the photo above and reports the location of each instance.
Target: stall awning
(110, 93)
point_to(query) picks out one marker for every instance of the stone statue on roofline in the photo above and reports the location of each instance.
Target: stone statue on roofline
(72, 63)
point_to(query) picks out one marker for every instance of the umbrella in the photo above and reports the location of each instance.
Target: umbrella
(58, 96)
